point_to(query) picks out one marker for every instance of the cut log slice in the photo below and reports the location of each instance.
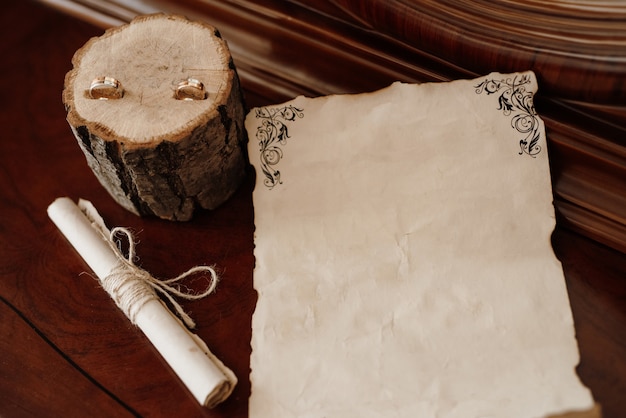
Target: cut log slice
(157, 109)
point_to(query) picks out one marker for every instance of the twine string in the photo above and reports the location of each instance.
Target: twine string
(131, 287)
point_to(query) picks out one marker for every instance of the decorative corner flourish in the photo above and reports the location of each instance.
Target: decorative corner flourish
(271, 134)
(515, 99)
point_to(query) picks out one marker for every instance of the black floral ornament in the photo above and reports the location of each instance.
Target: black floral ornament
(271, 134)
(515, 100)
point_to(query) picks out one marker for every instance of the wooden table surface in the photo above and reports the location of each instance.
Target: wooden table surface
(66, 350)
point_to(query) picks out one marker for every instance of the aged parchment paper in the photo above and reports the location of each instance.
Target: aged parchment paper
(403, 257)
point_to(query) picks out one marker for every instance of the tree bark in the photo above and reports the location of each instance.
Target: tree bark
(157, 146)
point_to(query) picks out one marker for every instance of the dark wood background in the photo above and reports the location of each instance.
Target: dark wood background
(65, 349)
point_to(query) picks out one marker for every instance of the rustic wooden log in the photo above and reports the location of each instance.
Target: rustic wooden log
(157, 109)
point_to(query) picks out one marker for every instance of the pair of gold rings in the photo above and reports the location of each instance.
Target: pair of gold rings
(109, 88)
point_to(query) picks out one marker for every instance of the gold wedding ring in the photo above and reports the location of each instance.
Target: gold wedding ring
(105, 88)
(190, 89)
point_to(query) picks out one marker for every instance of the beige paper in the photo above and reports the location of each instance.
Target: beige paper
(206, 377)
(403, 257)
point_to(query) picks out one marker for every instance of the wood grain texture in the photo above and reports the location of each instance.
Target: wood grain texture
(39, 364)
(48, 307)
(576, 48)
(284, 48)
(45, 281)
(595, 280)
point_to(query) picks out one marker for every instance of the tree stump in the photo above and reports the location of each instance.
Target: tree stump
(157, 109)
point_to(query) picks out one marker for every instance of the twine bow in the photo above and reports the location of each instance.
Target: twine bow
(131, 287)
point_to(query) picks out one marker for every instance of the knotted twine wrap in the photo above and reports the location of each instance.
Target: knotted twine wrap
(131, 287)
(206, 377)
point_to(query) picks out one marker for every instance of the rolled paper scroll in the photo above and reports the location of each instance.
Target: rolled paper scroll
(206, 377)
